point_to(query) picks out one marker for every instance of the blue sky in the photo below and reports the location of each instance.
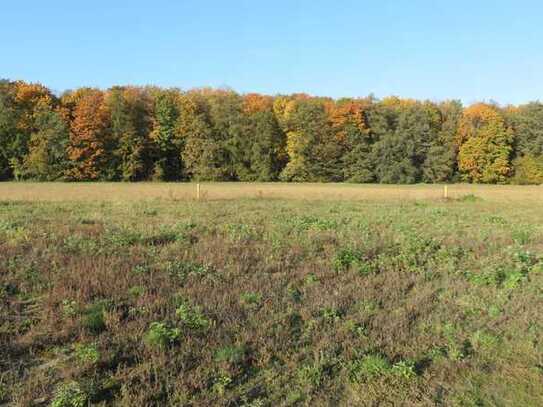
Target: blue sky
(469, 50)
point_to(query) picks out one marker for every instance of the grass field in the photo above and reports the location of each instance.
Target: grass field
(29, 191)
(136, 294)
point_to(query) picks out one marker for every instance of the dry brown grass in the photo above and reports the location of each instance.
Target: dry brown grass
(30, 191)
(298, 295)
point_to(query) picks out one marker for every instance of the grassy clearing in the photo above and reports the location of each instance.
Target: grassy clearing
(256, 302)
(55, 191)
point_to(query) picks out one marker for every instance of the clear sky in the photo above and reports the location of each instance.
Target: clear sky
(463, 49)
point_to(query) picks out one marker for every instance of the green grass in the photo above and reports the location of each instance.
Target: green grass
(255, 302)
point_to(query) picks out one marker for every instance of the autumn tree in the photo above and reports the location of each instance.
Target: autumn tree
(133, 133)
(350, 128)
(90, 148)
(485, 145)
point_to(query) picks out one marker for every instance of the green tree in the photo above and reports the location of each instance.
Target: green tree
(350, 125)
(130, 128)
(202, 152)
(410, 129)
(21, 105)
(314, 153)
(9, 136)
(169, 165)
(528, 170)
(47, 158)
(441, 161)
(268, 148)
(528, 127)
(257, 143)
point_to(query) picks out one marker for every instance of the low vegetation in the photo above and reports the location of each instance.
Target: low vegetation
(255, 302)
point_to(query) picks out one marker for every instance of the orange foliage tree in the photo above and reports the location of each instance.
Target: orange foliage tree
(88, 147)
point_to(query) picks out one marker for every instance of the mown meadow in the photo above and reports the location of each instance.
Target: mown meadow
(268, 301)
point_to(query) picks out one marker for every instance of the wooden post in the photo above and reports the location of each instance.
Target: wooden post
(198, 191)
(445, 191)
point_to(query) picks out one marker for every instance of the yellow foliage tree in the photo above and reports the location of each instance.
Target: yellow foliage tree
(485, 145)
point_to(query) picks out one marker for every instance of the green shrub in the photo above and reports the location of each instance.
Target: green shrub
(231, 354)
(310, 375)
(3, 393)
(294, 293)
(456, 349)
(345, 258)
(496, 220)
(78, 243)
(69, 308)
(404, 369)
(522, 235)
(349, 258)
(311, 278)
(417, 252)
(251, 298)
(303, 223)
(331, 314)
(240, 231)
(469, 198)
(136, 291)
(192, 317)
(181, 269)
(160, 238)
(221, 383)
(93, 318)
(372, 366)
(122, 237)
(87, 353)
(484, 340)
(356, 328)
(70, 395)
(508, 275)
(514, 279)
(160, 335)
(368, 367)
(141, 269)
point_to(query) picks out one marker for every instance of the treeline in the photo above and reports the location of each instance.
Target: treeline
(147, 133)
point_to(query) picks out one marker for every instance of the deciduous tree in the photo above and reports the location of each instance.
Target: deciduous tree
(47, 158)
(89, 138)
(485, 145)
(130, 128)
(169, 165)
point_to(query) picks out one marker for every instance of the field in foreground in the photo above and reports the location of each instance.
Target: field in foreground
(256, 302)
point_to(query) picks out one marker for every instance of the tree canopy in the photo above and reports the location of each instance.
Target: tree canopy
(129, 133)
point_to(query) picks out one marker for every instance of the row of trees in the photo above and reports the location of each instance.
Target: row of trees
(148, 133)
